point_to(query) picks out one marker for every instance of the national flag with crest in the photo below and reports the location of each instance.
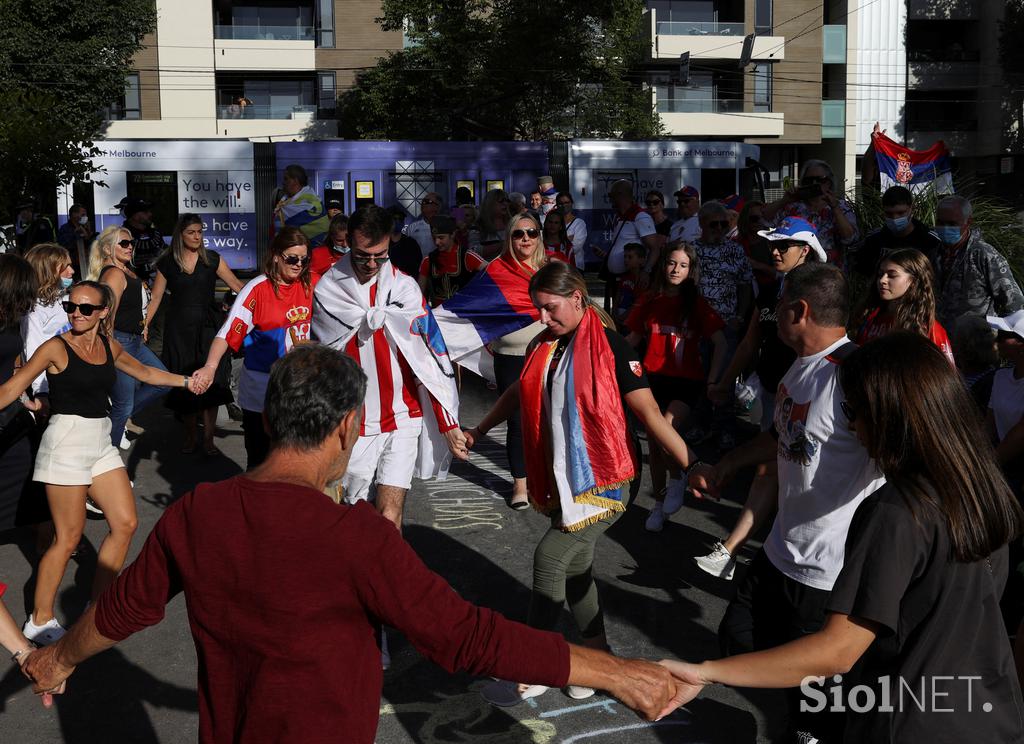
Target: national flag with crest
(913, 169)
(495, 303)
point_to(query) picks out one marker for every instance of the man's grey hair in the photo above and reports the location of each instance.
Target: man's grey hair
(961, 202)
(517, 197)
(711, 209)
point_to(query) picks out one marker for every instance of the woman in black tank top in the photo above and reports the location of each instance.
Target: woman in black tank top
(110, 264)
(75, 457)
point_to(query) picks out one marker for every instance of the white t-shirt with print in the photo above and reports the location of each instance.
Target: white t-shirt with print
(1007, 401)
(687, 230)
(824, 473)
(632, 231)
(577, 231)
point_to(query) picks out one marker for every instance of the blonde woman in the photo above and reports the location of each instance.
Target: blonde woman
(110, 264)
(55, 275)
(193, 317)
(524, 254)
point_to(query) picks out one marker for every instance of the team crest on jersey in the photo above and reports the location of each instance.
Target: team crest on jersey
(297, 315)
(637, 369)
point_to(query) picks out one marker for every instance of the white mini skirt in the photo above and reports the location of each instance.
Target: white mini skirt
(74, 450)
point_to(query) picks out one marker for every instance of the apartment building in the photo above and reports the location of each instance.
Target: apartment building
(257, 69)
(791, 99)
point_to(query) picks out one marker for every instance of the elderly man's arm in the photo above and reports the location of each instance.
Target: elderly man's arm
(394, 585)
(48, 667)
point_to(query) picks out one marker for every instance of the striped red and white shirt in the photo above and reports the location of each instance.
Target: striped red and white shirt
(391, 401)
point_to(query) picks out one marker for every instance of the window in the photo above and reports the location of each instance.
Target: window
(129, 105)
(327, 95)
(763, 87)
(763, 17)
(325, 23)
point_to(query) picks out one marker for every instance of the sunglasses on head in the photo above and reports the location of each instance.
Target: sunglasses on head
(530, 232)
(85, 308)
(361, 259)
(848, 411)
(720, 224)
(295, 260)
(125, 243)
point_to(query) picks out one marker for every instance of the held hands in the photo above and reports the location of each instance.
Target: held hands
(704, 481)
(198, 383)
(650, 689)
(457, 443)
(45, 670)
(472, 436)
(688, 681)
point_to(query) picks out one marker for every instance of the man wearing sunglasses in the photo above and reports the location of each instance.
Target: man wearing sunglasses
(419, 229)
(375, 313)
(147, 241)
(687, 227)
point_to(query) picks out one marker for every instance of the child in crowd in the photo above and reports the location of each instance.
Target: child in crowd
(635, 255)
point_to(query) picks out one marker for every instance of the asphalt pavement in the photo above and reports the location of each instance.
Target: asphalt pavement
(657, 604)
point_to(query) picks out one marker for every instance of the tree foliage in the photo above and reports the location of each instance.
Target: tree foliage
(61, 63)
(498, 69)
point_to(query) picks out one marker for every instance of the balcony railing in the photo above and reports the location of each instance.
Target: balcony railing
(700, 28)
(234, 111)
(265, 33)
(700, 106)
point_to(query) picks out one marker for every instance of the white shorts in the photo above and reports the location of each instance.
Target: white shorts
(385, 459)
(74, 450)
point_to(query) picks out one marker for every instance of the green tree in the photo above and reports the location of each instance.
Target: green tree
(61, 63)
(496, 69)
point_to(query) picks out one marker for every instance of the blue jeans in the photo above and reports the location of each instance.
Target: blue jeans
(129, 395)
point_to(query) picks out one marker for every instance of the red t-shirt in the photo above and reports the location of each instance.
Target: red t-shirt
(558, 254)
(448, 262)
(876, 325)
(285, 592)
(323, 258)
(673, 343)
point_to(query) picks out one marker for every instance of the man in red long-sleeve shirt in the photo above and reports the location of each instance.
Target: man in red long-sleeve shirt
(262, 554)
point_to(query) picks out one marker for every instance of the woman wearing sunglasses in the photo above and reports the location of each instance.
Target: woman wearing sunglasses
(76, 458)
(189, 273)
(110, 263)
(654, 202)
(914, 625)
(270, 315)
(524, 253)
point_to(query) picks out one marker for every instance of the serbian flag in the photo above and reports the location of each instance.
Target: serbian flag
(913, 169)
(497, 302)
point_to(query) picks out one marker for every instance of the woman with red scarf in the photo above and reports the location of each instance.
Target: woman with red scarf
(579, 380)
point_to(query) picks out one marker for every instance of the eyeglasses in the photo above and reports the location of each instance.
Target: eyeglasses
(684, 199)
(429, 202)
(720, 224)
(530, 232)
(811, 180)
(653, 202)
(848, 411)
(85, 308)
(295, 260)
(125, 243)
(361, 259)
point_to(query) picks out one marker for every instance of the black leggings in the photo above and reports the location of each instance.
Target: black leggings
(507, 369)
(257, 442)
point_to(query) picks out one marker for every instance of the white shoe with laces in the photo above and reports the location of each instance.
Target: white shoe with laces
(45, 634)
(675, 491)
(656, 519)
(719, 562)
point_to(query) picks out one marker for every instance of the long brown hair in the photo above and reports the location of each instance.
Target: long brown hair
(925, 433)
(689, 290)
(49, 260)
(287, 238)
(18, 287)
(561, 279)
(915, 310)
(177, 248)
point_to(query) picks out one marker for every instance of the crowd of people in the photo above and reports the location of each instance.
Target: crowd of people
(883, 434)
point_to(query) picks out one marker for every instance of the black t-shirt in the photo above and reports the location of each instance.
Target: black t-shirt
(881, 242)
(406, 255)
(774, 358)
(664, 227)
(629, 372)
(940, 623)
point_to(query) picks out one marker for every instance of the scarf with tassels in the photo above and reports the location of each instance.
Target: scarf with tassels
(579, 457)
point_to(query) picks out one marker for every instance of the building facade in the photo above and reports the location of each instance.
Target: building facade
(256, 69)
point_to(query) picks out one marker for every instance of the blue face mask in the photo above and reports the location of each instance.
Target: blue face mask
(948, 234)
(66, 282)
(897, 224)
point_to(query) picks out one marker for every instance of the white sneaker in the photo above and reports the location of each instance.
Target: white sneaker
(90, 505)
(505, 694)
(578, 692)
(656, 519)
(125, 444)
(674, 493)
(45, 634)
(719, 562)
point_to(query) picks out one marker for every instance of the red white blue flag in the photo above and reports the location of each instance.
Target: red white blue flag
(913, 169)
